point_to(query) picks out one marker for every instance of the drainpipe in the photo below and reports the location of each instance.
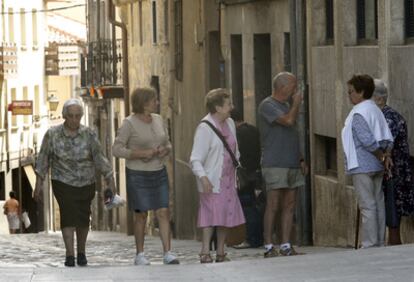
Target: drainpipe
(222, 62)
(297, 17)
(125, 74)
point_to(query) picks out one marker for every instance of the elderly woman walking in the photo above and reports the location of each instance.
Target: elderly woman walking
(143, 141)
(399, 201)
(367, 142)
(213, 165)
(73, 153)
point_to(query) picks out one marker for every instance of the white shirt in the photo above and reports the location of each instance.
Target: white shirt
(207, 154)
(376, 122)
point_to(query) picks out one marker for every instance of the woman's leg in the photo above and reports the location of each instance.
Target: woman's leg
(221, 239)
(68, 235)
(205, 244)
(163, 216)
(81, 236)
(139, 230)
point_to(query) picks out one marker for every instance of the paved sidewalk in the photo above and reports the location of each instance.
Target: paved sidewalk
(38, 257)
(107, 249)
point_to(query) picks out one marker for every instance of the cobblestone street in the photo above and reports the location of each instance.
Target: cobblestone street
(39, 257)
(103, 249)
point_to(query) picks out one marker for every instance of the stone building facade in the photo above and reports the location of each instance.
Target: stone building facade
(343, 38)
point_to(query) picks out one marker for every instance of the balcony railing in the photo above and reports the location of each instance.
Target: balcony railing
(8, 60)
(102, 64)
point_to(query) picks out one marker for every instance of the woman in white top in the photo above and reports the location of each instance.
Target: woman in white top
(215, 172)
(143, 141)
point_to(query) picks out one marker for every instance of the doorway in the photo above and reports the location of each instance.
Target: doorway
(262, 67)
(237, 72)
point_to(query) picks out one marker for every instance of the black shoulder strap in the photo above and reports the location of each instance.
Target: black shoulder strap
(218, 133)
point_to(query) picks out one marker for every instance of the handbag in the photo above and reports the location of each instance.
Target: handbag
(242, 175)
(26, 220)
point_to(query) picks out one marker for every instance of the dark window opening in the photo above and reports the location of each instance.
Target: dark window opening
(154, 22)
(237, 72)
(367, 21)
(286, 52)
(330, 156)
(409, 18)
(2, 186)
(155, 83)
(329, 12)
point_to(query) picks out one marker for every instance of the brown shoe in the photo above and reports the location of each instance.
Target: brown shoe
(222, 258)
(205, 258)
(271, 253)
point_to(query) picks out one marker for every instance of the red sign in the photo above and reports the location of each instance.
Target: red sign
(22, 107)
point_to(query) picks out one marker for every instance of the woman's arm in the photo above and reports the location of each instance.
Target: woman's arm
(42, 161)
(200, 150)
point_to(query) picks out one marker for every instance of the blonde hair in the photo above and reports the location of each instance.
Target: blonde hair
(216, 98)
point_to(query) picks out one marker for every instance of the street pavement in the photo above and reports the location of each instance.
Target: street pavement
(39, 257)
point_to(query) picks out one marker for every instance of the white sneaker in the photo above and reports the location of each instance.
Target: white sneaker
(170, 258)
(140, 259)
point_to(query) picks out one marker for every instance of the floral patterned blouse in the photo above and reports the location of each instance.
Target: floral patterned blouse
(401, 172)
(73, 160)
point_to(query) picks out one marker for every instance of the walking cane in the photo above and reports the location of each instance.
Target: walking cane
(358, 217)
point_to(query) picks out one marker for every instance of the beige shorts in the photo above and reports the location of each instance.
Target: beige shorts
(282, 178)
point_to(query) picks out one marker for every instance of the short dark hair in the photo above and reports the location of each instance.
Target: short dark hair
(363, 83)
(12, 194)
(140, 97)
(236, 115)
(216, 98)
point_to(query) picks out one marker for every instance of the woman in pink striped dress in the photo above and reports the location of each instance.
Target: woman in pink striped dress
(216, 176)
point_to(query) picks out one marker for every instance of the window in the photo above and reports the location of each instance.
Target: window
(140, 23)
(286, 52)
(154, 22)
(11, 24)
(409, 18)
(329, 12)
(166, 18)
(34, 27)
(367, 21)
(178, 44)
(23, 27)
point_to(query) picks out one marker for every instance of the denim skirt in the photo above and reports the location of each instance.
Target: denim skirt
(147, 190)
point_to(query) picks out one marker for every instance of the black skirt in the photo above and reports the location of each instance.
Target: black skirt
(74, 203)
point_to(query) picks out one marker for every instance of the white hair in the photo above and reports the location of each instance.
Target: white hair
(71, 102)
(380, 90)
(281, 79)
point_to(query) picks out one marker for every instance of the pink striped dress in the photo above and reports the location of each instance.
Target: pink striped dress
(224, 208)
